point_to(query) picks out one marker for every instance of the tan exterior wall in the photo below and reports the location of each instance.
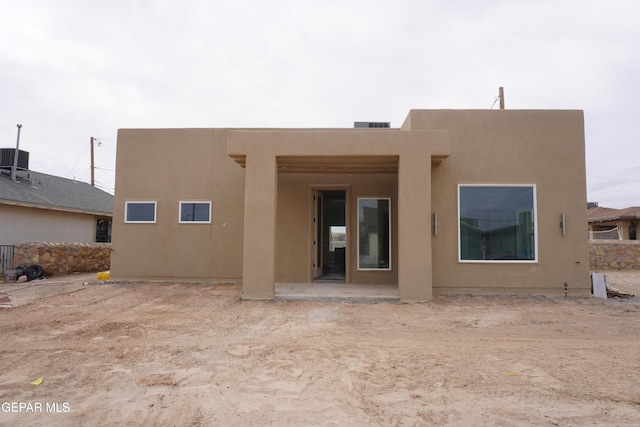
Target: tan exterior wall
(340, 153)
(294, 246)
(168, 166)
(261, 228)
(545, 148)
(21, 224)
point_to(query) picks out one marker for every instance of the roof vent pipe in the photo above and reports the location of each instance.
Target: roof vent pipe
(15, 156)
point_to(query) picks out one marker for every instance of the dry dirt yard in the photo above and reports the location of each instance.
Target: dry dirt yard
(195, 354)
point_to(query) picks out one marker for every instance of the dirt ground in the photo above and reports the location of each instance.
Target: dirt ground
(195, 354)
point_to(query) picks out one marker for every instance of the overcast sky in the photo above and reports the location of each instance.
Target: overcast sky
(70, 70)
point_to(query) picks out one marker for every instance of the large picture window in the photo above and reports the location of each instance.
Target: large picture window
(140, 212)
(191, 212)
(497, 223)
(374, 234)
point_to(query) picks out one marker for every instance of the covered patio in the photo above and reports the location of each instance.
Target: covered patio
(267, 153)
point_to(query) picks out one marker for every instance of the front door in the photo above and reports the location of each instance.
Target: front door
(329, 234)
(318, 238)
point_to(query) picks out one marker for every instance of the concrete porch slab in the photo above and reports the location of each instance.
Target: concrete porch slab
(342, 292)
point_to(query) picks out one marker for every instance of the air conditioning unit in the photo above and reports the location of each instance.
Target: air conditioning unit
(7, 156)
(372, 125)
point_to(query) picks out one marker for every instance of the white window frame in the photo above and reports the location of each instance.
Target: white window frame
(202, 202)
(535, 226)
(148, 202)
(358, 235)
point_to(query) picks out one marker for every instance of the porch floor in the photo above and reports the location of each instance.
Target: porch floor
(337, 291)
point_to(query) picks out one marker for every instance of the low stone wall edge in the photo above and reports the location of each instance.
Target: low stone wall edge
(60, 258)
(614, 254)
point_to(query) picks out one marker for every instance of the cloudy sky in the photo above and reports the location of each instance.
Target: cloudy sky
(73, 69)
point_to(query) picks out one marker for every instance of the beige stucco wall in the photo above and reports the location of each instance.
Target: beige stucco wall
(168, 166)
(545, 148)
(435, 151)
(340, 153)
(294, 244)
(20, 224)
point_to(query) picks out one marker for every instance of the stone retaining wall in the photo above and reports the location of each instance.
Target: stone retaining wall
(65, 258)
(614, 254)
(59, 258)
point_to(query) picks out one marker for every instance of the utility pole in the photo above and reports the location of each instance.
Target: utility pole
(501, 95)
(93, 181)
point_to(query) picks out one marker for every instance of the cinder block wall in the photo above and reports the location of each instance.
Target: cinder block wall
(614, 254)
(59, 258)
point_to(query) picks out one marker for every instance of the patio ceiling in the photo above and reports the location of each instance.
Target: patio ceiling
(337, 164)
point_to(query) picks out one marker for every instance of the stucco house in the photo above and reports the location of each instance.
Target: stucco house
(41, 207)
(453, 201)
(610, 223)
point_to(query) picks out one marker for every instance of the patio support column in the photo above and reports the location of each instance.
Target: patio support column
(260, 197)
(623, 229)
(414, 224)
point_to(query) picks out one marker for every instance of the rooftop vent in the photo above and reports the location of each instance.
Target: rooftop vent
(7, 157)
(372, 125)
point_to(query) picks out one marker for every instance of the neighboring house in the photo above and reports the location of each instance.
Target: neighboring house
(41, 207)
(454, 201)
(609, 223)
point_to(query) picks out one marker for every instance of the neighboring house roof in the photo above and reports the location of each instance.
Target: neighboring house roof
(44, 191)
(609, 214)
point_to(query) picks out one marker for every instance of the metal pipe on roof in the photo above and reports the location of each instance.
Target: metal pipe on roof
(15, 156)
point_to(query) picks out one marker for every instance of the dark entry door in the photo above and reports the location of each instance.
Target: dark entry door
(329, 235)
(318, 238)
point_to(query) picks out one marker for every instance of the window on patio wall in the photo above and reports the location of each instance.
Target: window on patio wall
(374, 234)
(497, 223)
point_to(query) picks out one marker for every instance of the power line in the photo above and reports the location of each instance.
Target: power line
(108, 189)
(106, 147)
(499, 97)
(74, 165)
(105, 169)
(84, 174)
(49, 156)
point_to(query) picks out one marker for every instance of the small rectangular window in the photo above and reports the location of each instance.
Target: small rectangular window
(195, 212)
(497, 223)
(374, 234)
(144, 212)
